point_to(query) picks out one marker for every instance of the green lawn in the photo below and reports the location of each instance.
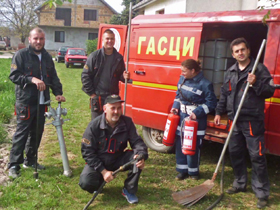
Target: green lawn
(55, 191)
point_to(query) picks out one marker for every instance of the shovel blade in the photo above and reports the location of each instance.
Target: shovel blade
(193, 195)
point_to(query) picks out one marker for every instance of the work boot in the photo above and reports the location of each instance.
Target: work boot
(234, 190)
(131, 198)
(181, 176)
(39, 166)
(262, 202)
(13, 172)
(194, 177)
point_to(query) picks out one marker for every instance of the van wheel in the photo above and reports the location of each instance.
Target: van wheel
(67, 65)
(153, 139)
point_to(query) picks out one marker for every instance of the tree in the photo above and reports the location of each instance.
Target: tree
(19, 16)
(123, 18)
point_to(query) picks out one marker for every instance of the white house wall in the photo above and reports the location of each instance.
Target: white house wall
(187, 6)
(75, 37)
(170, 7)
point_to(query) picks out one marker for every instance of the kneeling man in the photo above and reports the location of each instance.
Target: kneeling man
(104, 146)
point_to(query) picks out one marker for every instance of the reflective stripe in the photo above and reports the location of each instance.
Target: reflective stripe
(205, 108)
(190, 89)
(201, 133)
(178, 128)
(177, 99)
(193, 169)
(180, 166)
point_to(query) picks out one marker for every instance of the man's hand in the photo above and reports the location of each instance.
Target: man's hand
(126, 74)
(251, 78)
(217, 120)
(39, 83)
(92, 96)
(174, 111)
(60, 98)
(141, 163)
(107, 175)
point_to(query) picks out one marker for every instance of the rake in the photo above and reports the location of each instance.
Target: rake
(193, 195)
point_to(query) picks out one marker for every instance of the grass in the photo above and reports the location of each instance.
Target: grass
(7, 96)
(57, 192)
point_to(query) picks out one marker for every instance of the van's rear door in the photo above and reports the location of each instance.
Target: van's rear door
(120, 36)
(156, 53)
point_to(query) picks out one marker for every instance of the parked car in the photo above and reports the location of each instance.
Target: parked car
(75, 57)
(2, 45)
(61, 53)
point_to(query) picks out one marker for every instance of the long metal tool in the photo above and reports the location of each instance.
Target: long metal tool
(35, 173)
(127, 55)
(193, 195)
(121, 168)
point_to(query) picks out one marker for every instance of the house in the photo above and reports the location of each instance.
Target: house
(150, 7)
(71, 24)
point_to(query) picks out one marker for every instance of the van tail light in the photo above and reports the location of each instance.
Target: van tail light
(59, 53)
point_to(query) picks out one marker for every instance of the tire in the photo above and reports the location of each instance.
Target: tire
(153, 139)
(67, 65)
(57, 60)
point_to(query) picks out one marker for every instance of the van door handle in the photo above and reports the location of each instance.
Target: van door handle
(140, 72)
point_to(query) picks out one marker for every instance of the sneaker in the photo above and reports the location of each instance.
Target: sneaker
(181, 176)
(39, 166)
(261, 203)
(131, 198)
(234, 190)
(13, 172)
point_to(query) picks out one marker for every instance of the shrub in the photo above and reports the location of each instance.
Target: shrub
(91, 45)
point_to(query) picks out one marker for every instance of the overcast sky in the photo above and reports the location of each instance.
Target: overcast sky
(116, 4)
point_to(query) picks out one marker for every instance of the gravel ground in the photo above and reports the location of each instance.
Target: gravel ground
(4, 155)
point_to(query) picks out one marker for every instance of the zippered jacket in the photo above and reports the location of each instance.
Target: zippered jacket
(233, 88)
(100, 149)
(94, 67)
(26, 65)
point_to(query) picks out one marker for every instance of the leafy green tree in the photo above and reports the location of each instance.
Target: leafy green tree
(123, 18)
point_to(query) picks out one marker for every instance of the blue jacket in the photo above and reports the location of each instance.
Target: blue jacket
(198, 91)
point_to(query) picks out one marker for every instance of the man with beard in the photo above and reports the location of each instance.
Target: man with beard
(104, 148)
(33, 72)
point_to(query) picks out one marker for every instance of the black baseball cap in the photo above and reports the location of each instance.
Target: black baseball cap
(113, 99)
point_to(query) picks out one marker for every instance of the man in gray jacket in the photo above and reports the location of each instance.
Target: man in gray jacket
(249, 130)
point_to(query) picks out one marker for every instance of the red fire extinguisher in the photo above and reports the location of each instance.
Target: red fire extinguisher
(170, 129)
(189, 140)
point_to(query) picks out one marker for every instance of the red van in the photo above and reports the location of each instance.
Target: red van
(158, 45)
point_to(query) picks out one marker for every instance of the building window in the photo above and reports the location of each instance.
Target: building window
(92, 36)
(63, 14)
(59, 36)
(90, 14)
(160, 11)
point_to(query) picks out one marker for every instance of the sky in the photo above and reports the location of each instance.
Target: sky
(116, 4)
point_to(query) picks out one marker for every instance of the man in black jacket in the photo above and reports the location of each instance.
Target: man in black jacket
(104, 146)
(103, 71)
(32, 69)
(249, 130)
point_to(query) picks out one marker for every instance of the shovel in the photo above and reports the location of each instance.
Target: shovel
(121, 168)
(191, 196)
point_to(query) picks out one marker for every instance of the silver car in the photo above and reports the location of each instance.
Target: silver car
(2, 45)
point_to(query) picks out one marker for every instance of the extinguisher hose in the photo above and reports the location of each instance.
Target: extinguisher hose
(181, 130)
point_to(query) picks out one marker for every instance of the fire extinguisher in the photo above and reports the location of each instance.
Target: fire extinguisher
(170, 129)
(190, 136)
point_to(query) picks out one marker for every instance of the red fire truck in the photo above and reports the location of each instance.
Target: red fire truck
(158, 45)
